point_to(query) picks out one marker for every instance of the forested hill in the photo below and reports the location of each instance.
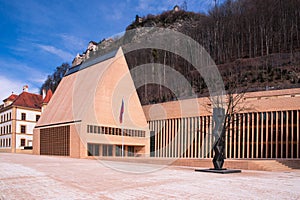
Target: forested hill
(237, 29)
(255, 43)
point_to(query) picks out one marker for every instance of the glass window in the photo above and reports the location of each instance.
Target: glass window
(104, 150)
(90, 150)
(37, 117)
(110, 150)
(23, 141)
(23, 116)
(118, 150)
(23, 129)
(130, 151)
(107, 150)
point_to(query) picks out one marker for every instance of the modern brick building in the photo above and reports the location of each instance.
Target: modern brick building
(84, 113)
(82, 119)
(267, 126)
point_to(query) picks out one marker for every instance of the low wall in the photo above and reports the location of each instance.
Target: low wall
(244, 164)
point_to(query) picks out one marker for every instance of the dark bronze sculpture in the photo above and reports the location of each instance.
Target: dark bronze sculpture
(219, 131)
(219, 137)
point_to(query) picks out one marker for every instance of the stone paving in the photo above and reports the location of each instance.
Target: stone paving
(46, 177)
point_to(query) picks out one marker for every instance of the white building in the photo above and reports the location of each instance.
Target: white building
(18, 116)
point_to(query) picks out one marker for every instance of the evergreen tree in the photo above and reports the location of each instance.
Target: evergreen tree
(53, 80)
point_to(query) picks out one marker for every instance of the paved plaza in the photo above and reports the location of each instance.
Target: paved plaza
(45, 177)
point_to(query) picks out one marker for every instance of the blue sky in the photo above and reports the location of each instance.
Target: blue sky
(37, 36)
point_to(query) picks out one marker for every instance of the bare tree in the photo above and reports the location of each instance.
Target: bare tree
(224, 107)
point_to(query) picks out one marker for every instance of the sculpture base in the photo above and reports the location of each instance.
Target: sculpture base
(219, 171)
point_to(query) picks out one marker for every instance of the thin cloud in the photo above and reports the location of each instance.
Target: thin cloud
(72, 42)
(28, 73)
(152, 7)
(7, 86)
(58, 52)
(149, 5)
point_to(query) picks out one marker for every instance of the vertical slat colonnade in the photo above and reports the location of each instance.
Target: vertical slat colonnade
(274, 134)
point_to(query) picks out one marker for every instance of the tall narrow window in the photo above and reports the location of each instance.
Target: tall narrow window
(23, 116)
(23, 129)
(23, 141)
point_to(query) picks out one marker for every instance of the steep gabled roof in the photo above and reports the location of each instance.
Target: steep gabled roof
(28, 100)
(92, 94)
(48, 96)
(12, 97)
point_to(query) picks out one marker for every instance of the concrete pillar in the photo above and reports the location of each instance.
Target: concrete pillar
(287, 135)
(281, 146)
(292, 134)
(167, 138)
(262, 135)
(277, 135)
(206, 137)
(267, 134)
(210, 137)
(180, 138)
(298, 134)
(252, 135)
(188, 132)
(234, 136)
(272, 136)
(239, 117)
(160, 137)
(244, 145)
(257, 132)
(230, 138)
(192, 121)
(248, 135)
(176, 139)
(202, 137)
(199, 136)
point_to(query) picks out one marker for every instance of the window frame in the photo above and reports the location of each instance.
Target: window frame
(23, 116)
(21, 141)
(24, 129)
